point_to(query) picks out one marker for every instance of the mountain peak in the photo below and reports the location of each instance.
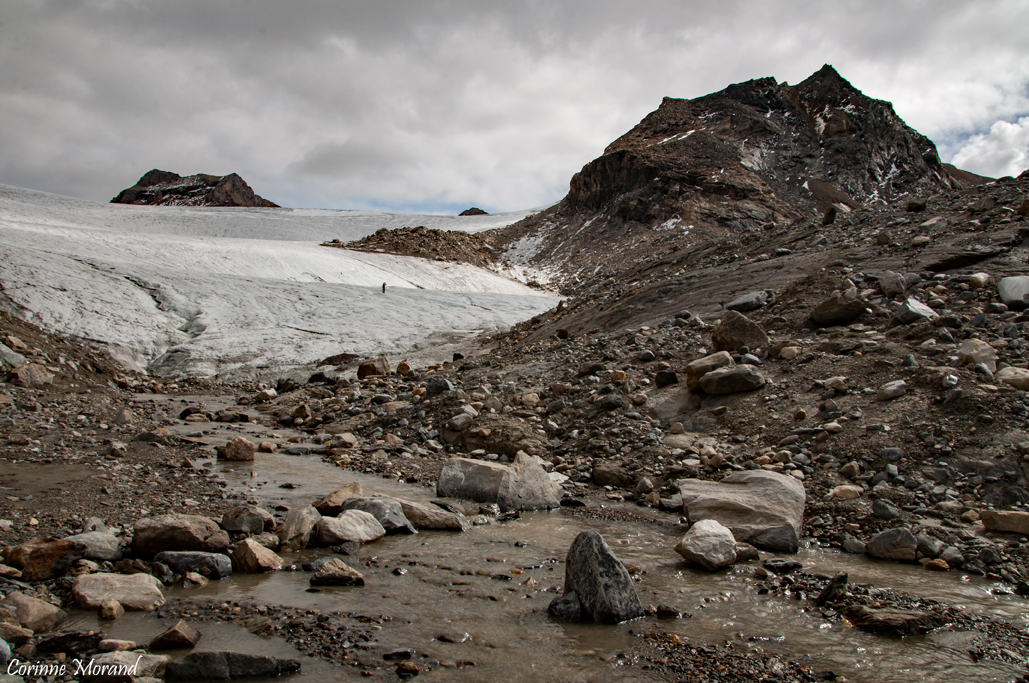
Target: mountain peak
(165, 188)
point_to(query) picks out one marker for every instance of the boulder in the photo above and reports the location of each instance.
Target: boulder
(5, 653)
(336, 573)
(42, 559)
(438, 385)
(600, 581)
(387, 511)
(33, 613)
(332, 504)
(731, 380)
(238, 449)
(893, 544)
(841, 308)
(296, 530)
(566, 607)
(702, 366)
(765, 509)
(748, 302)
(612, 473)
(214, 565)
(223, 666)
(379, 366)
(143, 667)
(432, 517)
(892, 284)
(1005, 521)
(152, 535)
(913, 310)
(133, 591)
(1014, 377)
(353, 526)
(524, 485)
(253, 558)
(30, 375)
(975, 351)
(738, 330)
(99, 545)
(10, 359)
(1014, 291)
(13, 634)
(709, 545)
(179, 636)
(247, 519)
(890, 621)
(847, 492)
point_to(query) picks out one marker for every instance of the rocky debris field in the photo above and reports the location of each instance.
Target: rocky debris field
(868, 396)
(431, 243)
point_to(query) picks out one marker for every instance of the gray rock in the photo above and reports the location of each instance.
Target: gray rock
(600, 581)
(565, 607)
(765, 509)
(731, 380)
(223, 666)
(11, 359)
(152, 535)
(355, 526)
(709, 545)
(841, 308)
(853, 545)
(1014, 291)
(912, 310)
(213, 565)
(297, 528)
(929, 546)
(387, 511)
(883, 510)
(336, 572)
(524, 485)
(892, 284)
(5, 653)
(892, 390)
(611, 402)
(736, 330)
(247, 519)
(33, 613)
(146, 667)
(952, 556)
(748, 302)
(332, 504)
(132, 591)
(438, 385)
(100, 546)
(893, 544)
(432, 517)
(460, 422)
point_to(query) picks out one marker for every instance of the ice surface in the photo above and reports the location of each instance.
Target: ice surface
(239, 292)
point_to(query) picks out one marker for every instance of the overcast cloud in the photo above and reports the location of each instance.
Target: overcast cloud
(436, 106)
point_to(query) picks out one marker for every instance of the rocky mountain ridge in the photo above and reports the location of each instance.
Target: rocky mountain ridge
(164, 188)
(758, 155)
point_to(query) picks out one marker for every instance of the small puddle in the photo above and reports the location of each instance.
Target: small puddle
(472, 583)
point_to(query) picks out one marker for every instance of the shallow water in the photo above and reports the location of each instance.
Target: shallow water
(471, 583)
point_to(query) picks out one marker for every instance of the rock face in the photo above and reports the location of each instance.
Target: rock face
(599, 581)
(152, 535)
(170, 189)
(524, 485)
(762, 508)
(133, 591)
(709, 545)
(777, 153)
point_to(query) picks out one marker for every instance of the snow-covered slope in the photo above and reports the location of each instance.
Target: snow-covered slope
(203, 291)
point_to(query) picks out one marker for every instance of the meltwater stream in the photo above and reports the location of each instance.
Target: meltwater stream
(473, 582)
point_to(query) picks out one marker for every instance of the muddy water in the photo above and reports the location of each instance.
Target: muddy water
(472, 583)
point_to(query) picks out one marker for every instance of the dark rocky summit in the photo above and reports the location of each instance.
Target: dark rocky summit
(474, 211)
(757, 155)
(170, 189)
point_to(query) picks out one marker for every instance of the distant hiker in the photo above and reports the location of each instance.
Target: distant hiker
(383, 287)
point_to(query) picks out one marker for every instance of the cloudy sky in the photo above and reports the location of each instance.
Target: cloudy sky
(435, 106)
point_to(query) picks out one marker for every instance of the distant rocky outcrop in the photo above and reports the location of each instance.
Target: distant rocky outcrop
(756, 156)
(474, 211)
(170, 189)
